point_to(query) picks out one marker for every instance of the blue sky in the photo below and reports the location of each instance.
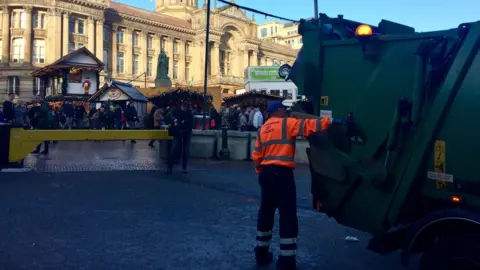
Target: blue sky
(423, 15)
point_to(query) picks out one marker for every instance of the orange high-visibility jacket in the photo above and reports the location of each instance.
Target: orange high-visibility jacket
(275, 144)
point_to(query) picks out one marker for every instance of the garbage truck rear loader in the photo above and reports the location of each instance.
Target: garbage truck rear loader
(407, 166)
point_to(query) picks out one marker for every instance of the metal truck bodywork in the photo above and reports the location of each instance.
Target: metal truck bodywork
(410, 152)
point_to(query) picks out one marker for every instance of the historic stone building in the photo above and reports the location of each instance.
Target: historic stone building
(128, 40)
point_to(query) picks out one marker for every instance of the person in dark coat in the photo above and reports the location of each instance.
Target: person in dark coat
(9, 109)
(181, 121)
(44, 120)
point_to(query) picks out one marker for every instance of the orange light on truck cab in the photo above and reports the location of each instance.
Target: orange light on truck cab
(456, 199)
(363, 30)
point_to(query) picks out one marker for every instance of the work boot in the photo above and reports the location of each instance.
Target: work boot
(262, 256)
(286, 263)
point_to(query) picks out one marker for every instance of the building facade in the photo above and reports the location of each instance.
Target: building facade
(36, 33)
(285, 34)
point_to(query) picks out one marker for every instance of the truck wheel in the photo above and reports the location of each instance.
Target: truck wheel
(458, 253)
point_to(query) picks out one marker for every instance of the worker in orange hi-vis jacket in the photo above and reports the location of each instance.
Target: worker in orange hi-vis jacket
(274, 158)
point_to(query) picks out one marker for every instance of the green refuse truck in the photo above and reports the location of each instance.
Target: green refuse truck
(404, 168)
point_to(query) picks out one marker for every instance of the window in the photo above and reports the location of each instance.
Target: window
(105, 59)
(271, 30)
(18, 50)
(71, 47)
(276, 29)
(39, 21)
(285, 93)
(293, 41)
(263, 32)
(187, 71)
(187, 48)
(224, 91)
(81, 26)
(13, 85)
(105, 34)
(175, 69)
(175, 47)
(149, 42)
(22, 20)
(80, 45)
(135, 65)
(39, 51)
(275, 92)
(149, 66)
(120, 62)
(135, 35)
(162, 43)
(71, 26)
(300, 41)
(263, 91)
(259, 61)
(38, 86)
(120, 37)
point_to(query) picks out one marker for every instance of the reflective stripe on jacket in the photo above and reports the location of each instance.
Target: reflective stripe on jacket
(275, 143)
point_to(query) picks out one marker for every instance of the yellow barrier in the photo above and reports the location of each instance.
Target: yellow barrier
(23, 142)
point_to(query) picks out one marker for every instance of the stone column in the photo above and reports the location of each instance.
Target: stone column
(181, 60)
(91, 35)
(54, 41)
(113, 46)
(127, 37)
(66, 33)
(215, 59)
(156, 47)
(99, 41)
(169, 52)
(254, 59)
(5, 36)
(143, 55)
(246, 60)
(27, 58)
(196, 67)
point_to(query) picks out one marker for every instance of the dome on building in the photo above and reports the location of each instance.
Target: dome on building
(181, 9)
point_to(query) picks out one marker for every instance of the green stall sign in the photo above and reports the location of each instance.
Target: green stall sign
(264, 74)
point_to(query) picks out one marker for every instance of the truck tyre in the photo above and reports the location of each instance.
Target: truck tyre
(453, 253)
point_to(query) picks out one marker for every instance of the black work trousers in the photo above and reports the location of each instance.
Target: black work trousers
(278, 190)
(180, 147)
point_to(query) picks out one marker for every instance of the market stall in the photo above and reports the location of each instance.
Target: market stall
(115, 92)
(194, 98)
(75, 74)
(251, 99)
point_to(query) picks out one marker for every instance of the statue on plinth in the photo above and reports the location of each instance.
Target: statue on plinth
(162, 79)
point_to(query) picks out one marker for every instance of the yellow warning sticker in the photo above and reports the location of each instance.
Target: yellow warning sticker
(324, 100)
(439, 162)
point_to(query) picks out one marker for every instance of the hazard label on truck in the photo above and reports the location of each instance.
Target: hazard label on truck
(439, 165)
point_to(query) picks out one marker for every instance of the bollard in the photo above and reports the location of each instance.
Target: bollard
(249, 147)
(215, 146)
(224, 152)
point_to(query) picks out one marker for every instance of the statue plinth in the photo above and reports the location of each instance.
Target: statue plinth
(162, 82)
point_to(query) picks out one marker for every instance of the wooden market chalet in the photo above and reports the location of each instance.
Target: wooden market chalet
(75, 76)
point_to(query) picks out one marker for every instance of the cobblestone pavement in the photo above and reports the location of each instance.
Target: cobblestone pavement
(108, 219)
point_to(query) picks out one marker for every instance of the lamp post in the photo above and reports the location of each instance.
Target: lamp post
(205, 76)
(315, 8)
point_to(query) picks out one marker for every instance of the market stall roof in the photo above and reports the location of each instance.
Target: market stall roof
(126, 88)
(81, 58)
(250, 98)
(61, 98)
(177, 96)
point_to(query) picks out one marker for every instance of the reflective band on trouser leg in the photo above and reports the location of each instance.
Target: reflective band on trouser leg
(288, 246)
(280, 158)
(300, 128)
(264, 238)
